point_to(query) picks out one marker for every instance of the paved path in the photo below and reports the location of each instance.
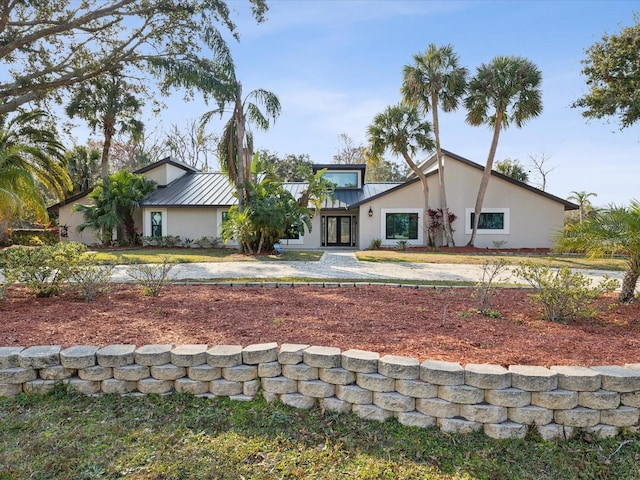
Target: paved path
(337, 265)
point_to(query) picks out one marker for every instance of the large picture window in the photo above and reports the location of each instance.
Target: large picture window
(492, 220)
(401, 226)
(342, 179)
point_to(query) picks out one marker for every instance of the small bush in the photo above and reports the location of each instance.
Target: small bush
(35, 237)
(402, 245)
(92, 281)
(375, 244)
(151, 277)
(485, 288)
(564, 294)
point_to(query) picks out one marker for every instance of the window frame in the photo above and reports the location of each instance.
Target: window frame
(356, 173)
(409, 211)
(506, 230)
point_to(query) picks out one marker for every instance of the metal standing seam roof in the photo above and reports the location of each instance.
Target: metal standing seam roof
(213, 189)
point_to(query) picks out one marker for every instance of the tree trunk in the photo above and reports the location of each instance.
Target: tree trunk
(240, 133)
(109, 131)
(486, 175)
(629, 281)
(425, 189)
(448, 233)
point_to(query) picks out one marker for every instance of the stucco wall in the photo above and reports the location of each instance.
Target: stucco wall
(164, 174)
(71, 220)
(193, 223)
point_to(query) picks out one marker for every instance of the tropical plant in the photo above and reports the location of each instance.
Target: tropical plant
(611, 231)
(30, 155)
(505, 90)
(114, 202)
(436, 78)
(512, 169)
(106, 103)
(83, 165)
(582, 199)
(402, 130)
(152, 277)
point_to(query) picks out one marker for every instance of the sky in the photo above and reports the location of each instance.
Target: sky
(335, 64)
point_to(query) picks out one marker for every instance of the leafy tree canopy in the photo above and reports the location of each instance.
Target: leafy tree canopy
(612, 68)
(513, 169)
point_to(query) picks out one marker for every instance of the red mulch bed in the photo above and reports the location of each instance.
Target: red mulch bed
(437, 324)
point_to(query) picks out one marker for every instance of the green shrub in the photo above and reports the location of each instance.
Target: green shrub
(492, 272)
(151, 277)
(91, 280)
(564, 294)
(41, 269)
(402, 245)
(35, 237)
(375, 244)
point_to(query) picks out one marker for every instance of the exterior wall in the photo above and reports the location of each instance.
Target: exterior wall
(503, 402)
(71, 220)
(193, 223)
(164, 174)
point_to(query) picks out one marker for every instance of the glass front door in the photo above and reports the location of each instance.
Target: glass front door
(338, 231)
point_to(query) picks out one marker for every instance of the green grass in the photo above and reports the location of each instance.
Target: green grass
(65, 435)
(550, 260)
(190, 255)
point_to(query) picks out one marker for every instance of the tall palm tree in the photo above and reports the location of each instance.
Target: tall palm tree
(505, 90)
(236, 145)
(582, 199)
(83, 165)
(401, 129)
(30, 155)
(106, 103)
(615, 230)
(436, 78)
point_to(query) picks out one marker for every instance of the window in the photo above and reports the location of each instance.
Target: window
(342, 179)
(156, 224)
(492, 220)
(401, 226)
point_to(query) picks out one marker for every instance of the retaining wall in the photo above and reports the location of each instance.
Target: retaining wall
(505, 403)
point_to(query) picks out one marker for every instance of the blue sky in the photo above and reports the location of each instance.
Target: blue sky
(336, 63)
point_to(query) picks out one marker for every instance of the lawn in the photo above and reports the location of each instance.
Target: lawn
(64, 435)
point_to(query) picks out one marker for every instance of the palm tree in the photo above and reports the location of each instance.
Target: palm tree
(436, 78)
(30, 156)
(512, 169)
(401, 129)
(582, 199)
(236, 145)
(106, 103)
(83, 167)
(506, 90)
(615, 230)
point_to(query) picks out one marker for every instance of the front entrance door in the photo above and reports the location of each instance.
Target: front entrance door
(338, 231)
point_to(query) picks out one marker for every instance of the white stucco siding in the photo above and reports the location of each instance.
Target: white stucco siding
(192, 223)
(164, 174)
(71, 220)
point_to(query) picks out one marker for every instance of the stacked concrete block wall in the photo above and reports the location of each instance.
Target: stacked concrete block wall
(503, 402)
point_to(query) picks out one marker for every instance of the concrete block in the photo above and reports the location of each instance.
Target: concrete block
(260, 353)
(461, 394)
(85, 387)
(533, 378)
(189, 355)
(15, 375)
(415, 419)
(334, 404)
(116, 355)
(279, 385)
(486, 376)
(558, 399)
(398, 367)
(438, 408)
(577, 417)
(620, 417)
(553, 432)
(291, 353)
(111, 385)
(39, 387)
(300, 371)
(394, 401)
(56, 372)
(600, 400)
(316, 388)
(630, 399)
(195, 387)
(153, 385)
(204, 373)
(505, 430)
(442, 373)
(579, 379)
(78, 356)
(240, 373)
(459, 426)
(132, 373)
(241, 398)
(360, 361)
(416, 388)
(508, 397)
(530, 415)
(619, 379)
(97, 373)
(372, 412)
(153, 354)
(40, 356)
(168, 371)
(225, 388)
(9, 357)
(603, 431)
(297, 400)
(354, 394)
(224, 356)
(322, 357)
(270, 397)
(10, 389)
(337, 376)
(251, 388)
(270, 369)
(375, 382)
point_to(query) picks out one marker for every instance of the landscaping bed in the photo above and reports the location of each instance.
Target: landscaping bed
(431, 323)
